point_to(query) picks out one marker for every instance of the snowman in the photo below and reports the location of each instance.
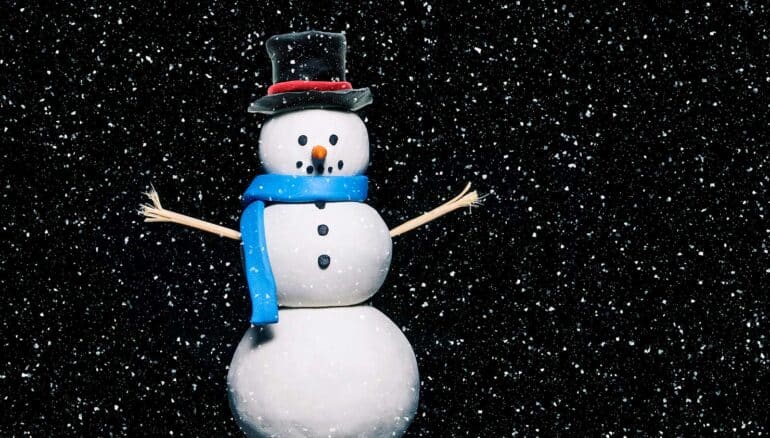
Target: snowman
(327, 363)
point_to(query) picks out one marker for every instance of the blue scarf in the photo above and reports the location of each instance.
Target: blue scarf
(289, 189)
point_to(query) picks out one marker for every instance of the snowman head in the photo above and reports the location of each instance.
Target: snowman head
(314, 142)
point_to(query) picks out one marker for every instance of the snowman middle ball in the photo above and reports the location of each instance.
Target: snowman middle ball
(335, 256)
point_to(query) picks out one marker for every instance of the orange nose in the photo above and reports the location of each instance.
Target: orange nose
(318, 153)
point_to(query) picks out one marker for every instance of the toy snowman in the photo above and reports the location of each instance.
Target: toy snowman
(327, 363)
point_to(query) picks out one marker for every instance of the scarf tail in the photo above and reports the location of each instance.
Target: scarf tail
(259, 276)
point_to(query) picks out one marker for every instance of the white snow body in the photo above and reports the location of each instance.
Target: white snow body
(302, 238)
(323, 370)
(338, 372)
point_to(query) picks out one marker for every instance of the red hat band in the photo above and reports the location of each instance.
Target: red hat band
(300, 85)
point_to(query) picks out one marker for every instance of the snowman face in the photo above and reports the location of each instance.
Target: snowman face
(315, 142)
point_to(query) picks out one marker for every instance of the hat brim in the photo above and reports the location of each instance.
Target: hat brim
(351, 100)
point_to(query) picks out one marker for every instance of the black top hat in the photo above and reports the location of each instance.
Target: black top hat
(309, 72)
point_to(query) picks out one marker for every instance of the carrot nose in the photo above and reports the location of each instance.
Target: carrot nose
(318, 153)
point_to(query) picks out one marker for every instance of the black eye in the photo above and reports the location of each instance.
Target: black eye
(302, 140)
(333, 139)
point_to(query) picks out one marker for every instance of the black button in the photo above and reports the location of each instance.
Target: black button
(323, 230)
(323, 261)
(320, 205)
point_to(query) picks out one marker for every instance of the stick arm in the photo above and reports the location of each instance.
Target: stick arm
(464, 199)
(156, 213)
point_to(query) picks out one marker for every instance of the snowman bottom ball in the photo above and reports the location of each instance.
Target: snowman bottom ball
(336, 371)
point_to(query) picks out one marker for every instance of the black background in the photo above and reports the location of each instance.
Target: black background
(614, 281)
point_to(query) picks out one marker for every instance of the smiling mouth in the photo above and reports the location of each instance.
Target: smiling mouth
(318, 169)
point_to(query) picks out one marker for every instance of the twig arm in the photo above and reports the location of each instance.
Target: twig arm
(156, 213)
(464, 199)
